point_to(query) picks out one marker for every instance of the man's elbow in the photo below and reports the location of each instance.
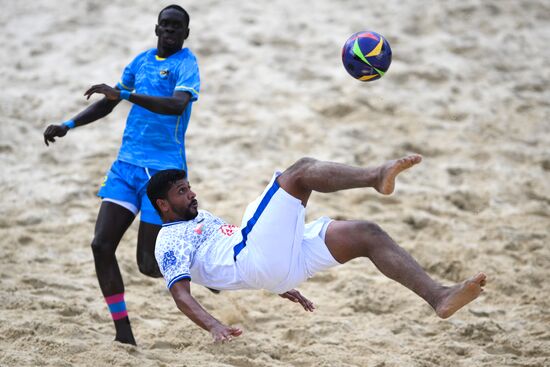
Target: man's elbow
(180, 108)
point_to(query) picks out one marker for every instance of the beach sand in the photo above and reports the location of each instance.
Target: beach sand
(467, 89)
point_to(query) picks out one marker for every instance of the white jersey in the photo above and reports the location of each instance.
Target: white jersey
(200, 249)
(275, 250)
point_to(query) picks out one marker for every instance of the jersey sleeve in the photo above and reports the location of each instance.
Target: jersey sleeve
(173, 256)
(189, 78)
(128, 78)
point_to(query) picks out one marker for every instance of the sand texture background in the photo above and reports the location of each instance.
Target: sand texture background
(468, 89)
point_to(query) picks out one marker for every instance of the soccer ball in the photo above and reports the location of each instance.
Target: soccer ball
(366, 56)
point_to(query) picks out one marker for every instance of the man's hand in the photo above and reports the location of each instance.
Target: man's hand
(222, 333)
(297, 297)
(110, 93)
(53, 131)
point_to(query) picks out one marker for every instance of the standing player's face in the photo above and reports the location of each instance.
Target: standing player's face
(182, 202)
(172, 29)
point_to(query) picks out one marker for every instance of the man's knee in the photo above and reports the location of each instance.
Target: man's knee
(371, 236)
(102, 247)
(302, 164)
(370, 228)
(296, 172)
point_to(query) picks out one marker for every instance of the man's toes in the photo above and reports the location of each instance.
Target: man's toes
(480, 278)
(416, 158)
(412, 160)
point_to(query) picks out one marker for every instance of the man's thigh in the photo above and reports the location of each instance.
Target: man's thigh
(273, 222)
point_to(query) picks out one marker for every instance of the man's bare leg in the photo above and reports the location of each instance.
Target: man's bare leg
(308, 174)
(112, 221)
(347, 240)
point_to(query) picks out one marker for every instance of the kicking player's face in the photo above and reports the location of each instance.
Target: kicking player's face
(172, 30)
(181, 201)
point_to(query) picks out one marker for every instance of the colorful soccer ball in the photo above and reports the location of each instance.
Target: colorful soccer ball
(366, 56)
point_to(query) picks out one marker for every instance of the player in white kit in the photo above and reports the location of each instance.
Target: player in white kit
(274, 249)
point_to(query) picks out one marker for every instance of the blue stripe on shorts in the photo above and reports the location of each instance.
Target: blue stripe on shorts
(252, 221)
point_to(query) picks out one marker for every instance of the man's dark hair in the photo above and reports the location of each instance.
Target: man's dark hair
(178, 8)
(160, 184)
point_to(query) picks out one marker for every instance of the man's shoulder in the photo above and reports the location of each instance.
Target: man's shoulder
(144, 55)
(185, 55)
(169, 236)
(147, 52)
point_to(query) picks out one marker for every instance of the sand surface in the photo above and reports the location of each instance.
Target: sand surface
(467, 89)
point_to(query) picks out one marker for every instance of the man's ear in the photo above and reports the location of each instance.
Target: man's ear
(157, 30)
(186, 34)
(163, 205)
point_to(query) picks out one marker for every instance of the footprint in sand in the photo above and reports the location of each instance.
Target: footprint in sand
(468, 201)
(25, 240)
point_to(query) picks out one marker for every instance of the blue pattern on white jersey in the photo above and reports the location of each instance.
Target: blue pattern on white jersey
(150, 139)
(200, 249)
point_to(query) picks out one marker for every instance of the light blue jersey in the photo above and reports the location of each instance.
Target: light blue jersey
(150, 139)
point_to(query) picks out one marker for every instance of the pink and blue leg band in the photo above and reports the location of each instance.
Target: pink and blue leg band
(117, 306)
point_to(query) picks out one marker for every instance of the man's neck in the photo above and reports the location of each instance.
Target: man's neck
(165, 53)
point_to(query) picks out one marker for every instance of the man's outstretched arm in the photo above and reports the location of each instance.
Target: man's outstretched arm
(173, 105)
(181, 292)
(92, 113)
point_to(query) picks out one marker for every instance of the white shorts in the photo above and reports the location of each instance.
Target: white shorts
(278, 250)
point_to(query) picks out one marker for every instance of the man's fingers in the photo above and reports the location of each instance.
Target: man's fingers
(93, 89)
(306, 303)
(219, 338)
(89, 93)
(227, 334)
(46, 136)
(293, 298)
(90, 90)
(236, 331)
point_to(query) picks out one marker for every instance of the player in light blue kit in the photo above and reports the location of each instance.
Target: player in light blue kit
(162, 84)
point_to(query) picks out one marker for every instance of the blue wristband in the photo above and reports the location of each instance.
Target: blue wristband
(124, 94)
(69, 124)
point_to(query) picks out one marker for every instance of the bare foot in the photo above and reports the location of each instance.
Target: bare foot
(460, 295)
(390, 170)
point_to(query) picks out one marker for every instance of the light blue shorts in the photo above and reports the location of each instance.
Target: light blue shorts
(126, 184)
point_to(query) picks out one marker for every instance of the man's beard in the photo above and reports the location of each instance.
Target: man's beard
(185, 213)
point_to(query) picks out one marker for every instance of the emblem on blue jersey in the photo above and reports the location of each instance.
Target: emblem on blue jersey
(164, 73)
(169, 259)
